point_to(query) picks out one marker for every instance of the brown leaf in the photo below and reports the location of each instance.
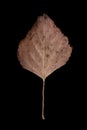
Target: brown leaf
(44, 49)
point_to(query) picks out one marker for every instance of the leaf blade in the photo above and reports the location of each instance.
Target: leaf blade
(44, 49)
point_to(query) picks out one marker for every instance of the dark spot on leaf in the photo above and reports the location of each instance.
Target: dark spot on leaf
(57, 52)
(47, 55)
(45, 16)
(43, 37)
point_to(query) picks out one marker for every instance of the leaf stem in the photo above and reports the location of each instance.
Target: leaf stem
(43, 88)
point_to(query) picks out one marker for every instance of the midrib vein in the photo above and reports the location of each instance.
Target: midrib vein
(44, 52)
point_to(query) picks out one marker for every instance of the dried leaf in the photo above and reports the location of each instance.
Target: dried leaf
(43, 50)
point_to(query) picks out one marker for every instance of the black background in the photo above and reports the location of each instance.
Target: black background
(64, 89)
